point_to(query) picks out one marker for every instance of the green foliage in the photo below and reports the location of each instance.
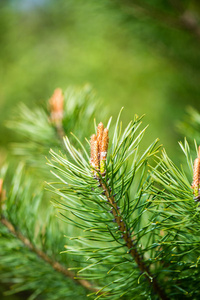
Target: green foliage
(190, 126)
(132, 233)
(25, 197)
(21, 268)
(160, 214)
(102, 243)
(37, 134)
(125, 50)
(177, 217)
(129, 50)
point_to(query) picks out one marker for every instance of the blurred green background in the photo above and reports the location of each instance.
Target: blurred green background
(144, 55)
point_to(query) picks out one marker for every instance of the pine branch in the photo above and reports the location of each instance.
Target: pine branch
(99, 148)
(135, 214)
(91, 203)
(129, 242)
(174, 201)
(30, 242)
(55, 265)
(42, 129)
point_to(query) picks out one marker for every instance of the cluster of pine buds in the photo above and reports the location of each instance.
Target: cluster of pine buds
(196, 177)
(57, 107)
(99, 148)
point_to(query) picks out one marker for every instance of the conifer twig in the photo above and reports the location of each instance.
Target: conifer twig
(130, 243)
(55, 265)
(99, 147)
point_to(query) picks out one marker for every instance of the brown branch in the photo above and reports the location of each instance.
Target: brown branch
(185, 20)
(55, 265)
(130, 243)
(189, 22)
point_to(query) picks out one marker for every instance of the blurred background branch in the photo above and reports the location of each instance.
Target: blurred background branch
(143, 55)
(174, 14)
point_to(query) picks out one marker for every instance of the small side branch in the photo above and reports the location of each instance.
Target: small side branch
(60, 132)
(55, 265)
(130, 244)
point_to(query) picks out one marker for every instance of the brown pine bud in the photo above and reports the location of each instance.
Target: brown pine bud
(57, 106)
(1, 187)
(196, 175)
(94, 157)
(195, 172)
(103, 151)
(92, 140)
(100, 129)
(199, 153)
(99, 147)
(199, 162)
(104, 144)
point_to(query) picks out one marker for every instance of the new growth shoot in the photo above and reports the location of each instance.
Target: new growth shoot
(99, 147)
(56, 103)
(196, 178)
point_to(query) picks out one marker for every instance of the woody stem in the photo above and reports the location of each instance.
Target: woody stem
(130, 245)
(55, 264)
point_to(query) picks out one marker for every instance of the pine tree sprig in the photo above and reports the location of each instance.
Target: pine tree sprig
(130, 243)
(42, 128)
(177, 218)
(55, 264)
(102, 146)
(99, 202)
(32, 246)
(131, 216)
